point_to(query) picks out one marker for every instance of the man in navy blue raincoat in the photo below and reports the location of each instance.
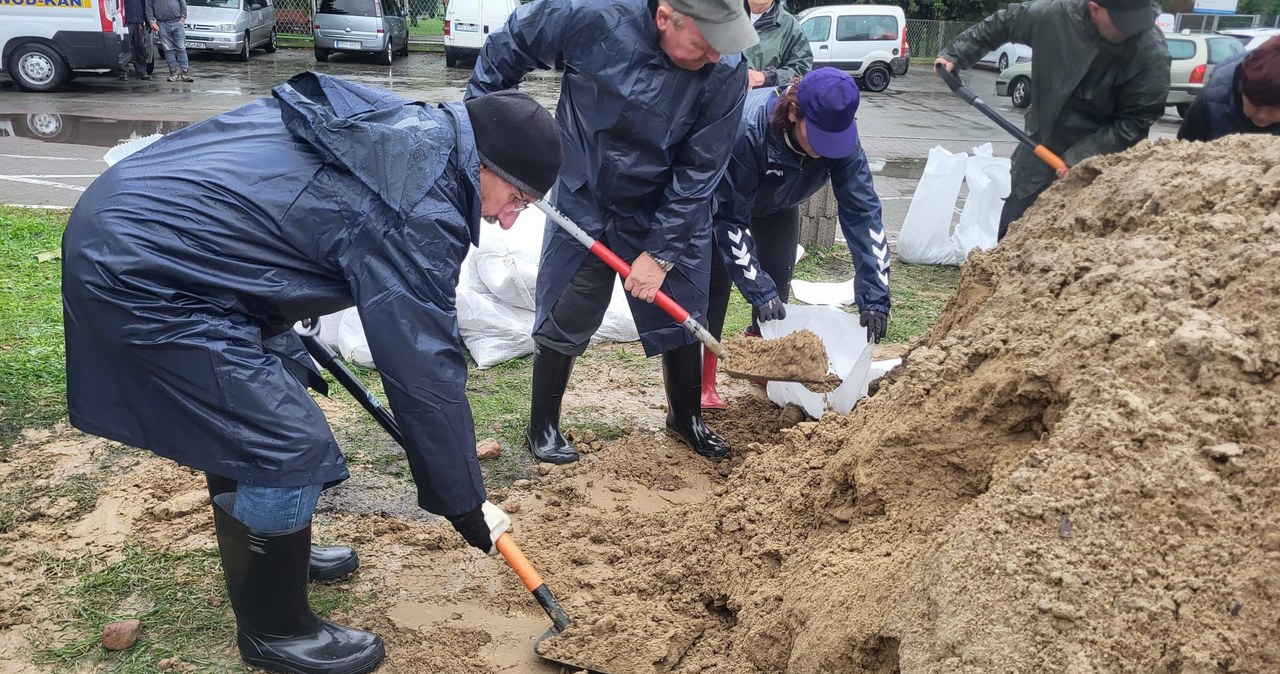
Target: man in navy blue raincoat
(649, 105)
(793, 140)
(186, 264)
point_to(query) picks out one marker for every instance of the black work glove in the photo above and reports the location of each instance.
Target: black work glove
(876, 323)
(482, 527)
(772, 310)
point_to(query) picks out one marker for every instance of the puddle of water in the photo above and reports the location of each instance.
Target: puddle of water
(910, 168)
(81, 129)
(513, 636)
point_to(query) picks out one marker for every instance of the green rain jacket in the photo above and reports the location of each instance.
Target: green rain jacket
(1088, 96)
(783, 52)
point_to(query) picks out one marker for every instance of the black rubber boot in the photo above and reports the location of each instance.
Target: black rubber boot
(551, 371)
(267, 580)
(682, 374)
(329, 564)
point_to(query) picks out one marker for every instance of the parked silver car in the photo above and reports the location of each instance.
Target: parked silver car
(370, 26)
(231, 26)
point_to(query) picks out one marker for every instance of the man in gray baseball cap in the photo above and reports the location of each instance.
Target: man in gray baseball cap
(649, 108)
(723, 23)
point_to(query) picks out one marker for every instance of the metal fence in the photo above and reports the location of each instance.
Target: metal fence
(927, 38)
(294, 17)
(1216, 22)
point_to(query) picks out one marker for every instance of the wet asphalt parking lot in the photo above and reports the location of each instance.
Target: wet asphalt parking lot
(51, 144)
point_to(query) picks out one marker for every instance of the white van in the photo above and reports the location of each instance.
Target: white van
(869, 41)
(467, 23)
(43, 42)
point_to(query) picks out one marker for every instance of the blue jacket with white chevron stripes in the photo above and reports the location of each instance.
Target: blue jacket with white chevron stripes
(765, 176)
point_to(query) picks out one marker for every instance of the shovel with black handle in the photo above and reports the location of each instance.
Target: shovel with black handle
(505, 544)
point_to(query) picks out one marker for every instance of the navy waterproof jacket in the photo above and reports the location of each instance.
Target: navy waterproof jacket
(185, 265)
(1219, 110)
(645, 143)
(765, 176)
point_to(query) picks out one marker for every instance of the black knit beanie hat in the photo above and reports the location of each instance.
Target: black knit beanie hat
(517, 139)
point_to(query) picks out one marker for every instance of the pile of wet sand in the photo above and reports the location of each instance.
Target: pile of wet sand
(1077, 470)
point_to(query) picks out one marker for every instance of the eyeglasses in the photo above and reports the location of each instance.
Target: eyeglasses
(521, 200)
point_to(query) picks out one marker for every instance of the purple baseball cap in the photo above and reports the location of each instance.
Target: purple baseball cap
(828, 99)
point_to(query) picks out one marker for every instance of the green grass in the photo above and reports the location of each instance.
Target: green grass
(32, 372)
(427, 27)
(22, 501)
(179, 598)
(918, 292)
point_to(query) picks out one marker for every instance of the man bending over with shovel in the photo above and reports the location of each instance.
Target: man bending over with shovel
(650, 103)
(1099, 79)
(179, 296)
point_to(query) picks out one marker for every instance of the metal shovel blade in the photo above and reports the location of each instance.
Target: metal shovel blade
(577, 668)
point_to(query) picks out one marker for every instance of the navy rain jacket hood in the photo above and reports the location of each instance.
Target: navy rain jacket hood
(185, 265)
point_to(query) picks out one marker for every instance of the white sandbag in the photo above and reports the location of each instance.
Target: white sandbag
(618, 325)
(989, 181)
(506, 262)
(493, 332)
(128, 147)
(926, 231)
(827, 294)
(353, 345)
(848, 351)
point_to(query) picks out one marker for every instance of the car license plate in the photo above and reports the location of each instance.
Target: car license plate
(346, 44)
(467, 27)
(195, 45)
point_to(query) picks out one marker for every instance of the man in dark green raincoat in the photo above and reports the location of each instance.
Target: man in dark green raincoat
(1099, 79)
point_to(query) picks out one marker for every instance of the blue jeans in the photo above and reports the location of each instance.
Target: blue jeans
(275, 509)
(173, 35)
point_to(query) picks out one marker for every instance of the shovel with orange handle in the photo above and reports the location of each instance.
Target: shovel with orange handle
(953, 81)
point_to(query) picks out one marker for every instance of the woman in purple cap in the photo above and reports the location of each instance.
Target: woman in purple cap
(792, 140)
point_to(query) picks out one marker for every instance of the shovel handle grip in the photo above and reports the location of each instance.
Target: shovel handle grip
(532, 581)
(1047, 156)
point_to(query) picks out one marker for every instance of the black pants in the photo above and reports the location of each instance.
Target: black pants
(134, 50)
(776, 236)
(1013, 209)
(580, 309)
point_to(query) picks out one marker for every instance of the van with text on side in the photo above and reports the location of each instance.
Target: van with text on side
(44, 43)
(468, 22)
(868, 41)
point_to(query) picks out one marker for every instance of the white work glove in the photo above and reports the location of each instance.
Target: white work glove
(482, 527)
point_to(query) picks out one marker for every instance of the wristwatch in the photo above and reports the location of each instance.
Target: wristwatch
(662, 264)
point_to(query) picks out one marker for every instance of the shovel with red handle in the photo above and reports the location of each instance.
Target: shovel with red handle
(619, 265)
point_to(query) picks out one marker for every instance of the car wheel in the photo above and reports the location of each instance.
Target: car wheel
(47, 126)
(388, 54)
(1020, 92)
(450, 58)
(322, 55)
(1182, 109)
(244, 51)
(876, 78)
(36, 67)
(1003, 64)
(271, 44)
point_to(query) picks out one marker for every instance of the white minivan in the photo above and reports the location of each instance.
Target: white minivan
(869, 41)
(468, 22)
(44, 42)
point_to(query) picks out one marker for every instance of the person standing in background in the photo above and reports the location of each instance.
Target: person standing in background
(135, 50)
(783, 52)
(169, 18)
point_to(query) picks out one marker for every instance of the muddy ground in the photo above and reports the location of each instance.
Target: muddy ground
(1076, 470)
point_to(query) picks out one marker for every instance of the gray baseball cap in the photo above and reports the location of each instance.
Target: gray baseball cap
(724, 23)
